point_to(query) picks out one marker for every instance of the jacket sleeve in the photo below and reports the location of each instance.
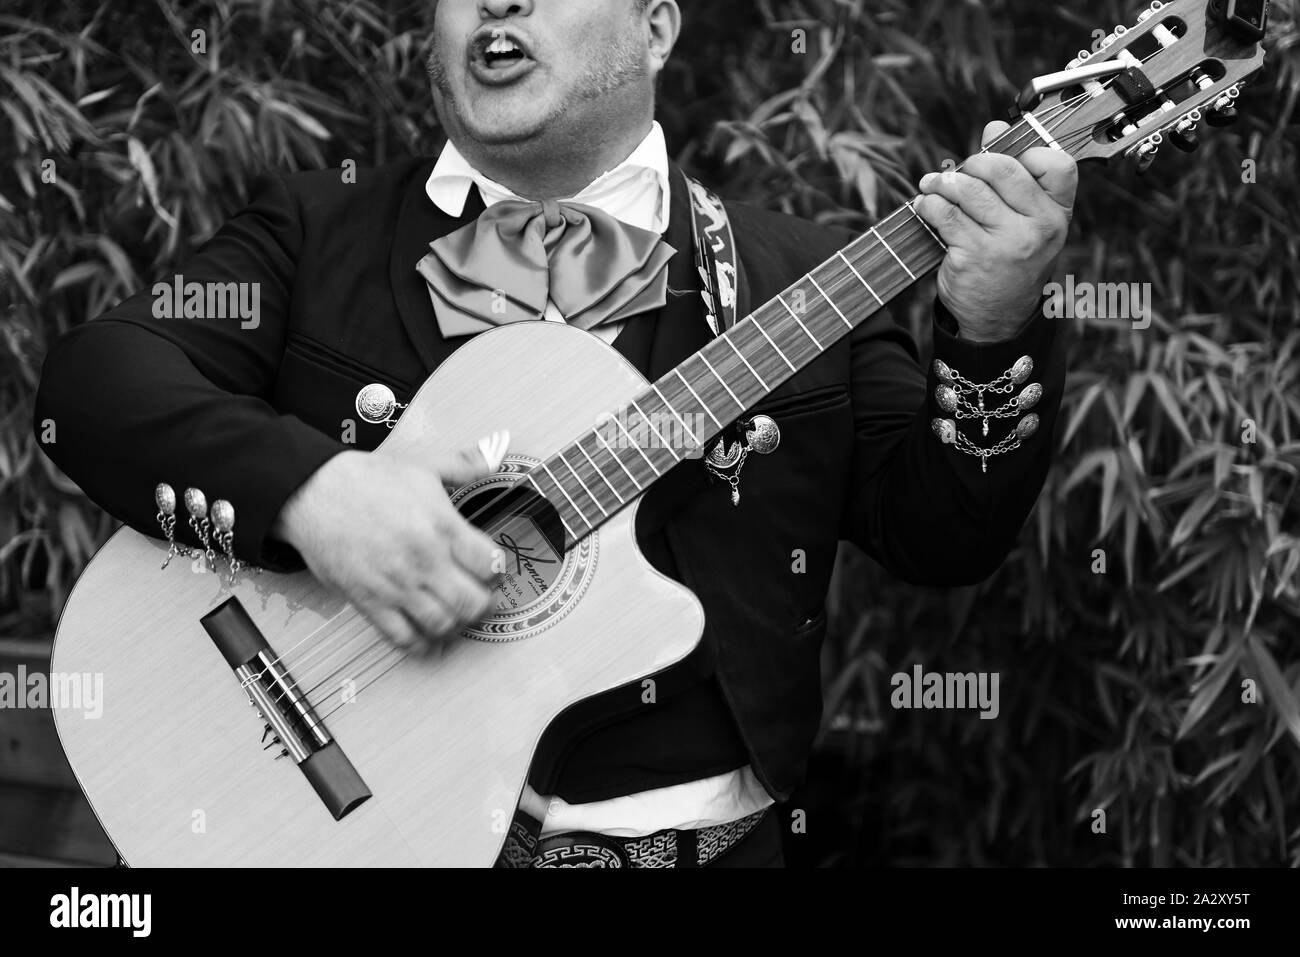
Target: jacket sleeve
(925, 510)
(136, 397)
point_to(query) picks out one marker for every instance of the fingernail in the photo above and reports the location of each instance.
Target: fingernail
(927, 179)
(493, 448)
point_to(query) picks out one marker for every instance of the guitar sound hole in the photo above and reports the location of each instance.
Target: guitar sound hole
(528, 530)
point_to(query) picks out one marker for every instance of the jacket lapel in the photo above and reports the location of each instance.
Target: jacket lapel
(419, 223)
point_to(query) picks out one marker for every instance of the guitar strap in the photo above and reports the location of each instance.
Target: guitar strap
(715, 258)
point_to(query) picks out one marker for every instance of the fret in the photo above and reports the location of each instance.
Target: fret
(638, 448)
(695, 439)
(584, 485)
(533, 481)
(795, 316)
(892, 253)
(563, 491)
(855, 272)
(917, 217)
(665, 443)
(608, 483)
(773, 344)
(727, 339)
(678, 372)
(830, 301)
(705, 360)
(614, 455)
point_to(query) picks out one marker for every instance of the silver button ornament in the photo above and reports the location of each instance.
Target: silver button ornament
(223, 515)
(945, 429)
(196, 503)
(376, 403)
(1022, 370)
(223, 519)
(946, 396)
(763, 435)
(164, 497)
(1029, 397)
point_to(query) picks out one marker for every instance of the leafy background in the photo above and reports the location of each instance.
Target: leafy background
(1122, 689)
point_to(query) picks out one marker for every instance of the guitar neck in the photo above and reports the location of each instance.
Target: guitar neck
(684, 411)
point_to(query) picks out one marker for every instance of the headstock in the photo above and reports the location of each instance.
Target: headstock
(1182, 62)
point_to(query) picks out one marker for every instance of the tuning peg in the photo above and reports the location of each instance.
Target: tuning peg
(1222, 115)
(1146, 153)
(1224, 111)
(1185, 136)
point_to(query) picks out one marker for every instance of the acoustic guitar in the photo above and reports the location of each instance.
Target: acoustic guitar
(266, 722)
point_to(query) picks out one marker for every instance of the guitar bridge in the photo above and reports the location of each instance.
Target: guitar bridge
(286, 711)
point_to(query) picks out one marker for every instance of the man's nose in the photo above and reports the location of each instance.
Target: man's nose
(500, 9)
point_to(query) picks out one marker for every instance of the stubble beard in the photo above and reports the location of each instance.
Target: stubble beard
(614, 68)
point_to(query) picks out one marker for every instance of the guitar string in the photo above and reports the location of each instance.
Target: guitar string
(340, 642)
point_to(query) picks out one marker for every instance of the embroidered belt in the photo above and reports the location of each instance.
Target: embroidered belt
(662, 849)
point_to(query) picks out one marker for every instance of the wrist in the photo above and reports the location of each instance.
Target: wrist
(294, 516)
(986, 330)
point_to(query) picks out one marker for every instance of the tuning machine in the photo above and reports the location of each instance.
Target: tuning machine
(1146, 152)
(1185, 135)
(1223, 113)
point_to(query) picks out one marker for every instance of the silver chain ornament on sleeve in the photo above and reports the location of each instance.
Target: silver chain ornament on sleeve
(212, 527)
(955, 393)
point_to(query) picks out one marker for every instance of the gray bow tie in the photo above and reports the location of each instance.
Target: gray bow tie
(517, 255)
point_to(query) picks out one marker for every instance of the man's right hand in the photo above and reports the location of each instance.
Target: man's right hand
(381, 530)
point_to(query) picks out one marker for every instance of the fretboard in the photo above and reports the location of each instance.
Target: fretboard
(608, 467)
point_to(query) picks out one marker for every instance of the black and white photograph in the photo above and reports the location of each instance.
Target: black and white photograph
(620, 434)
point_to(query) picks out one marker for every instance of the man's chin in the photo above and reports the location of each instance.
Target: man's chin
(505, 122)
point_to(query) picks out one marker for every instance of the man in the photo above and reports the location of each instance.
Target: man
(546, 100)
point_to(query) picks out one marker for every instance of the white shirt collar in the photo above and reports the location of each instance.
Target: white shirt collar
(636, 191)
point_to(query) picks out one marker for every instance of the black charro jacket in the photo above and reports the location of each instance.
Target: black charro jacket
(248, 414)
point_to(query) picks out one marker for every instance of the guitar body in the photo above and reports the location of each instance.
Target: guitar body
(175, 767)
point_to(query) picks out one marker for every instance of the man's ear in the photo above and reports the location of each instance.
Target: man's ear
(665, 20)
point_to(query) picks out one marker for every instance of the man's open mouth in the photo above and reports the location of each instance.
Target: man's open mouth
(499, 56)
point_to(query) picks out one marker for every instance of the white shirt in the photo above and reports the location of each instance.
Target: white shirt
(637, 191)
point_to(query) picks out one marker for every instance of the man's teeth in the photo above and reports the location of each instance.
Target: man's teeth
(503, 45)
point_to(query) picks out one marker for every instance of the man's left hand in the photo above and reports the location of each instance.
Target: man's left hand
(1004, 220)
